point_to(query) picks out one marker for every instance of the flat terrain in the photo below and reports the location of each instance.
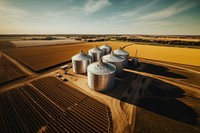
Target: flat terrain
(170, 38)
(48, 105)
(39, 58)
(151, 98)
(6, 45)
(8, 70)
(158, 95)
(36, 43)
(187, 56)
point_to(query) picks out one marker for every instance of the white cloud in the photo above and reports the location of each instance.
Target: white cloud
(169, 11)
(92, 6)
(11, 14)
(127, 15)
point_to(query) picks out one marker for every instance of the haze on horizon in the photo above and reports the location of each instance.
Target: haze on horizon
(100, 17)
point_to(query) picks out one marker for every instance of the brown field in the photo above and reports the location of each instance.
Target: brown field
(48, 105)
(39, 58)
(37, 43)
(8, 70)
(6, 45)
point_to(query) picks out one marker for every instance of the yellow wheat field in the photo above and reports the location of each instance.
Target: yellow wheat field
(188, 56)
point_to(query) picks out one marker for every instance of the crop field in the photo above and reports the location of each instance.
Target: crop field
(39, 58)
(48, 105)
(36, 43)
(8, 70)
(6, 45)
(171, 38)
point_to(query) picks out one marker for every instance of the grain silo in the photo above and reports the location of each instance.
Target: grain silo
(80, 62)
(101, 76)
(125, 54)
(106, 48)
(96, 54)
(116, 60)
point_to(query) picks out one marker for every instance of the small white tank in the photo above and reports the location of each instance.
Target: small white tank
(134, 61)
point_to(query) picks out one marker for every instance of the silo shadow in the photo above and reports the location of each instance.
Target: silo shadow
(153, 95)
(155, 69)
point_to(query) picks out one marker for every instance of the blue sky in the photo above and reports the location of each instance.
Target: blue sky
(100, 16)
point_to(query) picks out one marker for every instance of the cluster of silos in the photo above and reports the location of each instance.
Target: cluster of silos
(101, 75)
(106, 65)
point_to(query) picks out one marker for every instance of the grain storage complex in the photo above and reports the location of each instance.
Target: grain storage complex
(102, 72)
(80, 62)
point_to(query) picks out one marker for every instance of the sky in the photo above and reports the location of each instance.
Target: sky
(163, 17)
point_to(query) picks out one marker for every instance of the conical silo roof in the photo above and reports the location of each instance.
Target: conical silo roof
(113, 58)
(101, 68)
(105, 46)
(81, 56)
(96, 50)
(120, 51)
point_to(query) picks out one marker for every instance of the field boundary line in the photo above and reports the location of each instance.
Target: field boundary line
(18, 64)
(174, 66)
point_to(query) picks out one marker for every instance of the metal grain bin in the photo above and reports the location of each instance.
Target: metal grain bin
(134, 61)
(96, 54)
(80, 62)
(101, 76)
(106, 48)
(125, 54)
(116, 60)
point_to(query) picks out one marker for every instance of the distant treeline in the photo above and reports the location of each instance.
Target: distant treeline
(161, 42)
(97, 40)
(44, 38)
